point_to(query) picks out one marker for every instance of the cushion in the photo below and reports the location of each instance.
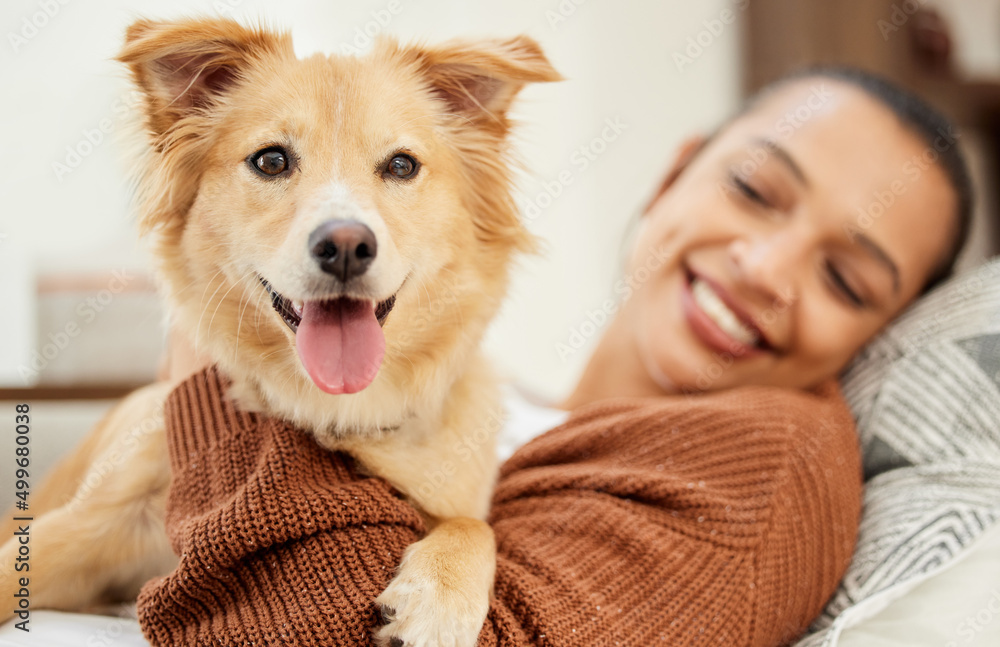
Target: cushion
(926, 395)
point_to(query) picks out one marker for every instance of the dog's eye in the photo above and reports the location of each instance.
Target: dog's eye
(402, 166)
(270, 161)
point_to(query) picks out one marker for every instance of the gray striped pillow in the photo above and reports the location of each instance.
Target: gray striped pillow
(926, 395)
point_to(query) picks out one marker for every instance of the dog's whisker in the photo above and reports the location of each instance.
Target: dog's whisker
(270, 354)
(208, 284)
(204, 307)
(190, 284)
(291, 376)
(260, 310)
(422, 284)
(239, 323)
(219, 305)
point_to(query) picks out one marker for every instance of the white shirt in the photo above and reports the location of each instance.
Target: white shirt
(526, 420)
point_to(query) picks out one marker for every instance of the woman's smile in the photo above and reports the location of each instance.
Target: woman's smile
(715, 319)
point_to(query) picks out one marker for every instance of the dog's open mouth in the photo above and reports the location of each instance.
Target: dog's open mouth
(339, 341)
(291, 311)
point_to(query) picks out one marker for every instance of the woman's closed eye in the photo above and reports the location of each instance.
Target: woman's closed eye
(841, 286)
(744, 188)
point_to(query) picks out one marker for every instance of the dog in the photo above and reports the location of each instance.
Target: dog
(335, 233)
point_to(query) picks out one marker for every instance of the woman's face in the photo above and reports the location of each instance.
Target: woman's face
(787, 242)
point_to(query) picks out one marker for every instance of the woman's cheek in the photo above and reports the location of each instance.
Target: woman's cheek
(826, 343)
(669, 343)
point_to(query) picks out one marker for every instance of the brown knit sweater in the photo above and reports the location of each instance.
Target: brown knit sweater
(720, 519)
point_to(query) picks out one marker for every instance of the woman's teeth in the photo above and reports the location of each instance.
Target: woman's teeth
(719, 312)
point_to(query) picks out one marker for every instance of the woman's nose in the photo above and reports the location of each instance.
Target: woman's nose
(769, 263)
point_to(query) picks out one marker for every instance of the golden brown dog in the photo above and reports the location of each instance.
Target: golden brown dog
(335, 233)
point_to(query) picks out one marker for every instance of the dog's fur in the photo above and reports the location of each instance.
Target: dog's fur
(216, 92)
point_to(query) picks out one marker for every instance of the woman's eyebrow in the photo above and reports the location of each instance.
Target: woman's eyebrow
(782, 154)
(880, 256)
(870, 247)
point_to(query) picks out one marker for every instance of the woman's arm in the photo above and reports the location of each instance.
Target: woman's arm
(720, 519)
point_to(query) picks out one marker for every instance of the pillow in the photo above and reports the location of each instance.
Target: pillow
(926, 395)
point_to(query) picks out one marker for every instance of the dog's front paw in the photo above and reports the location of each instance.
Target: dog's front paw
(434, 601)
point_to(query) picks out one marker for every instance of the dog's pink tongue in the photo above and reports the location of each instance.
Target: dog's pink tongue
(340, 343)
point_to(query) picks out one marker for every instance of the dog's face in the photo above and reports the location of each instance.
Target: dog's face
(334, 231)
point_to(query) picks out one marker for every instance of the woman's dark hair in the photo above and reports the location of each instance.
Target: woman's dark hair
(921, 119)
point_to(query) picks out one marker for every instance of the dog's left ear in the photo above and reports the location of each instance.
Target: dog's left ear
(481, 78)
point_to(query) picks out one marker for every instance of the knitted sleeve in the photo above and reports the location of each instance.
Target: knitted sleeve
(722, 519)
(280, 542)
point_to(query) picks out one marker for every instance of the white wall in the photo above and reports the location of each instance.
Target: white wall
(59, 84)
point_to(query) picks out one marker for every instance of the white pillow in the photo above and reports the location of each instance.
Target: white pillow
(965, 600)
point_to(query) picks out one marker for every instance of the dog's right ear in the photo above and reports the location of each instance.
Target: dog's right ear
(183, 67)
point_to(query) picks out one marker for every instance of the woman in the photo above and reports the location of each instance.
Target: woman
(818, 214)
(783, 242)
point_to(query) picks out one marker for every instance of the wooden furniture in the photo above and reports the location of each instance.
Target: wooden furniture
(904, 40)
(100, 335)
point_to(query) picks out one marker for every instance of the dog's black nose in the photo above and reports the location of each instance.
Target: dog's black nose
(344, 248)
